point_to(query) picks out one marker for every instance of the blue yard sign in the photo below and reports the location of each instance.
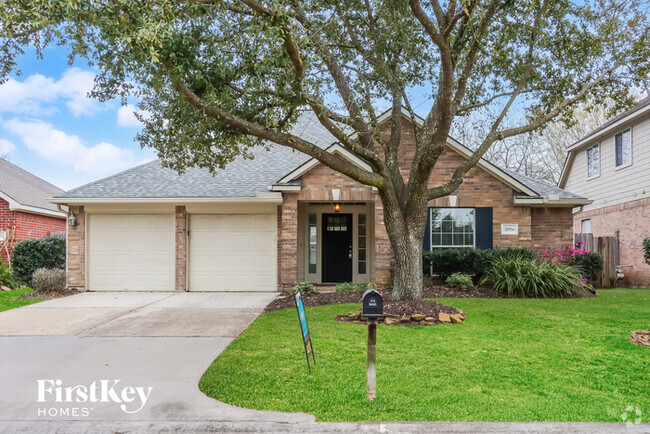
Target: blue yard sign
(306, 338)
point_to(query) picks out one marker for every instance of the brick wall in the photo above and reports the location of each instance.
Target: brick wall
(631, 222)
(552, 228)
(538, 227)
(181, 248)
(27, 225)
(77, 250)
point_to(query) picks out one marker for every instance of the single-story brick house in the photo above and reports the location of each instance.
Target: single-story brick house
(282, 218)
(25, 211)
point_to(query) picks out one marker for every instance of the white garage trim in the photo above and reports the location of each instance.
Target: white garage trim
(130, 252)
(232, 252)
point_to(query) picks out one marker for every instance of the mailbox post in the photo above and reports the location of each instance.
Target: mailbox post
(372, 308)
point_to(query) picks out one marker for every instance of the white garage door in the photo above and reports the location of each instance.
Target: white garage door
(131, 252)
(232, 252)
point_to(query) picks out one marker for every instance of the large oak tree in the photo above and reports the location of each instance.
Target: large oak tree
(221, 76)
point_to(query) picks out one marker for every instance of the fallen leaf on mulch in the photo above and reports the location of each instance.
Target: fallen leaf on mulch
(641, 337)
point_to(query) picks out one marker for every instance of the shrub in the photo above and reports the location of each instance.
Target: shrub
(521, 277)
(347, 286)
(646, 250)
(445, 262)
(460, 281)
(515, 252)
(30, 255)
(6, 276)
(49, 279)
(305, 288)
(589, 264)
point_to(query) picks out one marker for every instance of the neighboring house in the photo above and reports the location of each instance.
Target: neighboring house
(25, 211)
(611, 165)
(283, 217)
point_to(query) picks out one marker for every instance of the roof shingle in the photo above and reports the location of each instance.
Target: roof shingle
(25, 188)
(241, 178)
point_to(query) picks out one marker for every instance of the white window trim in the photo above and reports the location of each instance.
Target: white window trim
(587, 161)
(623, 166)
(431, 246)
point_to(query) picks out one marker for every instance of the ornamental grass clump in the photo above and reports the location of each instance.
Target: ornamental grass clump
(521, 277)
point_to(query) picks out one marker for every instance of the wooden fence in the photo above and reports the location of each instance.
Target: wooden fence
(608, 248)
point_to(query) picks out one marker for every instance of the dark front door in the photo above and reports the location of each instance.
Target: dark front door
(337, 248)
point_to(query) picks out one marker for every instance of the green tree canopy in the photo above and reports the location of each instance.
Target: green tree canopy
(221, 76)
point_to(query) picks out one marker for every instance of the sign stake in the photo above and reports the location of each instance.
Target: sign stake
(304, 328)
(371, 371)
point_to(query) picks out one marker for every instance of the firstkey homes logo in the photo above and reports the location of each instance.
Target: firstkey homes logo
(79, 400)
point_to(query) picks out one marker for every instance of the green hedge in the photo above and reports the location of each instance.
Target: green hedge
(445, 262)
(646, 250)
(29, 255)
(589, 264)
(471, 261)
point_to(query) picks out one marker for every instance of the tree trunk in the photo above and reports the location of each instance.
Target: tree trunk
(406, 233)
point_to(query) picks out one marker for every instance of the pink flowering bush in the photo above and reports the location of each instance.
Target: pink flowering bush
(588, 263)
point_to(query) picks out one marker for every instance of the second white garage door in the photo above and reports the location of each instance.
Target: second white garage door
(232, 252)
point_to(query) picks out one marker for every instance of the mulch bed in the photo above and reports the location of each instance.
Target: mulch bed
(41, 295)
(327, 298)
(641, 337)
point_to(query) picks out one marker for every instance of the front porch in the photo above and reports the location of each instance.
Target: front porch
(335, 242)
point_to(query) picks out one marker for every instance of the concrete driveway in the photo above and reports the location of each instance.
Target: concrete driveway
(122, 356)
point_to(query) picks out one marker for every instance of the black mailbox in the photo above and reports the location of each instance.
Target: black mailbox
(373, 304)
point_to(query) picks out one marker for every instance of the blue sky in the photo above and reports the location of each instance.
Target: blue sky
(50, 128)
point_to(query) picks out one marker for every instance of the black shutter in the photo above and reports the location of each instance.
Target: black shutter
(426, 243)
(483, 228)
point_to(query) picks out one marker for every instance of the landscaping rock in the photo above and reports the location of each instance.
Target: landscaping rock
(455, 319)
(430, 319)
(443, 317)
(391, 321)
(405, 319)
(5, 288)
(417, 317)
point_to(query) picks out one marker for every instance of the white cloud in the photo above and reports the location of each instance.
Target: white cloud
(126, 116)
(70, 150)
(39, 95)
(6, 147)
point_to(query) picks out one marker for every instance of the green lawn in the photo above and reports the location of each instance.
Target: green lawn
(511, 360)
(8, 299)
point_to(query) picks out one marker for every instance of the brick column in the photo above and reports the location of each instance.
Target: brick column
(181, 248)
(288, 242)
(77, 250)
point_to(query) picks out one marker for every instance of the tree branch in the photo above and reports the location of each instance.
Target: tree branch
(243, 126)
